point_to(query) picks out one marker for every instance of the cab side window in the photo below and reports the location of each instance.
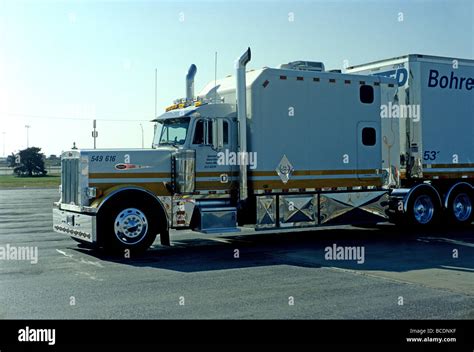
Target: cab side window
(203, 132)
(209, 132)
(199, 133)
(226, 132)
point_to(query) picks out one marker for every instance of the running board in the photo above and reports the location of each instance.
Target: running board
(218, 219)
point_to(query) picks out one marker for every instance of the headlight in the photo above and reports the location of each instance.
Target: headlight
(91, 192)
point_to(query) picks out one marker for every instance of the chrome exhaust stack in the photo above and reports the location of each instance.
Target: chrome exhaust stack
(241, 97)
(190, 82)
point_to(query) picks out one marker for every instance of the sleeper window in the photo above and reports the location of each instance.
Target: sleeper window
(368, 136)
(366, 94)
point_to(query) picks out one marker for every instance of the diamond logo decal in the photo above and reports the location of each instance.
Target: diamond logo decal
(284, 169)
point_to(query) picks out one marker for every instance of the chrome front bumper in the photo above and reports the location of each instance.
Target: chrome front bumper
(77, 225)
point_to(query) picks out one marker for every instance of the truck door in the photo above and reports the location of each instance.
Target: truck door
(369, 153)
(214, 168)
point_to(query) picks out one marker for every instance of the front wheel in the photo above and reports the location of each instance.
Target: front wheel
(128, 226)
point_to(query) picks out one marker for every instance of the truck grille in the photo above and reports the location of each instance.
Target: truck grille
(70, 180)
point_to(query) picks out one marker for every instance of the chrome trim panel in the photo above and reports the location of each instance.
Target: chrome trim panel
(221, 219)
(298, 210)
(266, 212)
(70, 193)
(81, 226)
(83, 180)
(334, 205)
(185, 168)
(77, 208)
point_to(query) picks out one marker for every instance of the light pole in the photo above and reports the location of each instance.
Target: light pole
(143, 144)
(95, 134)
(27, 136)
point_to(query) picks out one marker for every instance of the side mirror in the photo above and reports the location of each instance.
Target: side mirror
(217, 134)
(155, 127)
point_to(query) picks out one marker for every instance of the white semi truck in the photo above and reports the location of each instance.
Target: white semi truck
(283, 148)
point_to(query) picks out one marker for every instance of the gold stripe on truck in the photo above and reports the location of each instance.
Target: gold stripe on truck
(127, 174)
(316, 183)
(157, 188)
(233, 173)
(448, 166)
(216, 173)
(156, 174)
(441, 174)
(214, 185)
(315, 172)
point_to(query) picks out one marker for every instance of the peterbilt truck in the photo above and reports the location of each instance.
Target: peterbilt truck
(271, 149)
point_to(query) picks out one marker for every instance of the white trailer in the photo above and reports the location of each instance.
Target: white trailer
(435, 106)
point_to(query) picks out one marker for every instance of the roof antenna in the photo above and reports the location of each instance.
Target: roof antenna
(156, 80)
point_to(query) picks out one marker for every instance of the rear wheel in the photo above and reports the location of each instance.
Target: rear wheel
(128, 226)
(460, 207)
(423, 208)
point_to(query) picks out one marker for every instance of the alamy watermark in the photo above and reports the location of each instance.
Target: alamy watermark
(336, 252)
(240, 158)
(19, 253)
(37, 335)
(400, 111)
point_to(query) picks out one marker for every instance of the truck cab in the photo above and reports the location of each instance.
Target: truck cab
(204, 132)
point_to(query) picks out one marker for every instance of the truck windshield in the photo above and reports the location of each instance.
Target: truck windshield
(173, 132)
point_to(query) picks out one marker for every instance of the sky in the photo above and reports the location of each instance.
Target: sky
(65, 63)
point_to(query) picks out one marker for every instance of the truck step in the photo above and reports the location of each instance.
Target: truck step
(218, 219)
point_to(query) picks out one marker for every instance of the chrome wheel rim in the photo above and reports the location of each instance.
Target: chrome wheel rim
(423, 209)
(462, 207)
(130, 226)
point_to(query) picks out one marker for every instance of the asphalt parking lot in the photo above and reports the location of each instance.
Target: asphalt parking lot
(405, 274)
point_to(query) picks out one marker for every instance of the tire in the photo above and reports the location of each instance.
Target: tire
(460, 210)
(423, 209)
(128, 225)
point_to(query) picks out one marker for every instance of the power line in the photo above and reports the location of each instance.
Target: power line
(45, 117)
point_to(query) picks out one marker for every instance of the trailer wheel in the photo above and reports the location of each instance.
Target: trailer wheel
(422, 208)
(128, 226)
(460, 207)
